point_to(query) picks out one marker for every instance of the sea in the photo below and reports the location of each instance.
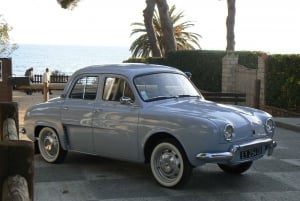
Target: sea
(65, 59)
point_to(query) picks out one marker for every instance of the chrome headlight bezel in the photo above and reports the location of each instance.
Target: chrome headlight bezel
(269, 125)
(228, 132)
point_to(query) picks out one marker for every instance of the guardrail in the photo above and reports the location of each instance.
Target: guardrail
(53, 78)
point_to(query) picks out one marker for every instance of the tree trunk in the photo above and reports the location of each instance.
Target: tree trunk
(230, 25)
(167, 26)
(148, 16)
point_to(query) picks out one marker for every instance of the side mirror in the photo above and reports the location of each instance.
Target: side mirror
(63, 95)
(125, 100)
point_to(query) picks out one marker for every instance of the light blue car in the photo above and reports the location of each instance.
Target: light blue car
(148, 114)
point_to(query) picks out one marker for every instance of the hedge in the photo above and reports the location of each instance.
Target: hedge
(205, 66)
(283, 82)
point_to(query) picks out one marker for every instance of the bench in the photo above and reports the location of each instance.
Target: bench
(225, 97)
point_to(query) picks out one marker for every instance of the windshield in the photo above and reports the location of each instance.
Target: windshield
(164, 85)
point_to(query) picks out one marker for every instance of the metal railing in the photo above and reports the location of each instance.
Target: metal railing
(53, 78)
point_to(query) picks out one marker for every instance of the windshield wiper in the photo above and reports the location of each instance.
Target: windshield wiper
(159, 98)
(186, 95)
(168, 97)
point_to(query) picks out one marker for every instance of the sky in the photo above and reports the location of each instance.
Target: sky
(270, 26)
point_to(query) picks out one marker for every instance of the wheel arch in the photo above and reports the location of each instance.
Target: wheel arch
(57, 129)
(153, 140)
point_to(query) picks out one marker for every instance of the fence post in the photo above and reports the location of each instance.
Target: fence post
(256, 97)
(5, 74)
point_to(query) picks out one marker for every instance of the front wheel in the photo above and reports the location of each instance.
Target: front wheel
(236, 169)
(50, 147)
(169, 164)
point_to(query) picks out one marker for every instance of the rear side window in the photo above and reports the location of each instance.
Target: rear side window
(85, 88)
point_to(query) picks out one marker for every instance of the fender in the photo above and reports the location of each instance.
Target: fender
(57, 126)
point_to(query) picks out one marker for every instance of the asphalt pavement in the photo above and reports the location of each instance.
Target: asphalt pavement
(90, 178)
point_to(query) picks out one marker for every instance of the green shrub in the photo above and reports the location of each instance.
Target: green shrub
(248, 59)
(283, 81)
(205, 66)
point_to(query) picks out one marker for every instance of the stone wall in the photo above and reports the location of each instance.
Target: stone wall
(261, 74)
(237, 78)
(229, 64)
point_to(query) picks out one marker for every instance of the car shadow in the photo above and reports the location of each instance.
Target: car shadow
(205, 179)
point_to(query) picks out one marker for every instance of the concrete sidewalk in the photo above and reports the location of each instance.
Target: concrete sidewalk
(288, 123)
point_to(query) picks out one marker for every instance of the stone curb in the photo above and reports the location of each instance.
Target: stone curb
(288, 126)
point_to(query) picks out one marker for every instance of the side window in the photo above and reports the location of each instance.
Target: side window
(115, 88)
(85, 88)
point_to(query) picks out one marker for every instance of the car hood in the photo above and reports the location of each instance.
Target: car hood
(244, 119)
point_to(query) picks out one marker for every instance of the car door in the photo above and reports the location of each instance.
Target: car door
(77, 113)
(115, 122)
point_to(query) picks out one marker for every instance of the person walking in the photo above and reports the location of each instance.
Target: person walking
(46, 82)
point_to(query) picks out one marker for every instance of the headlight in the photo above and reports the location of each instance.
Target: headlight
(228, 132)
(269, 125)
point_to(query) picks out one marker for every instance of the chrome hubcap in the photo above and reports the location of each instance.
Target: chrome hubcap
(50, 144)
(168, 164)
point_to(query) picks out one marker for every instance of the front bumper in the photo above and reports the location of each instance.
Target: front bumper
(241, 153)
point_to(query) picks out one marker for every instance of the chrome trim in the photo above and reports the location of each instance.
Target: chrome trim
(210, 157)
(230, 155)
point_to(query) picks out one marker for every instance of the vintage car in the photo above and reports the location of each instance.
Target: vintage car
(149, 114)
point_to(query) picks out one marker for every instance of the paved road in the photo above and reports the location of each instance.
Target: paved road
(89, 178)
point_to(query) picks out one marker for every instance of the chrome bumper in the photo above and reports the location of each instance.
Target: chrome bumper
(231, 155)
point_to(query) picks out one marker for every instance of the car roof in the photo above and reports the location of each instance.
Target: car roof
(127, 69)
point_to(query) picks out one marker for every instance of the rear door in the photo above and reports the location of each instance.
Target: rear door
(77, 113)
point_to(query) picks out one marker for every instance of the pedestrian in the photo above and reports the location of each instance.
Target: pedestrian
(46, 78)
(29, 73)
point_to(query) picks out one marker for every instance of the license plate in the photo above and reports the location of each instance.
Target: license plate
(250, 153)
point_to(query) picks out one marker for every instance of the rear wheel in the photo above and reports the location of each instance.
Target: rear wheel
(50, 147)
(169, 164)
(236, 169)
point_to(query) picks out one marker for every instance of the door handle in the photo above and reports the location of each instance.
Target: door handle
(66, 108)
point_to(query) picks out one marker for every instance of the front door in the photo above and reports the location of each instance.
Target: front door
(115, 121)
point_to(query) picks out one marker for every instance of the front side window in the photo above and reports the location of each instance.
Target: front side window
(85, 88)
(164, 85)
(115, 88)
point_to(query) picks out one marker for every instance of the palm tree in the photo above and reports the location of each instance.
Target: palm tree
(230, 21)
(184, 40)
